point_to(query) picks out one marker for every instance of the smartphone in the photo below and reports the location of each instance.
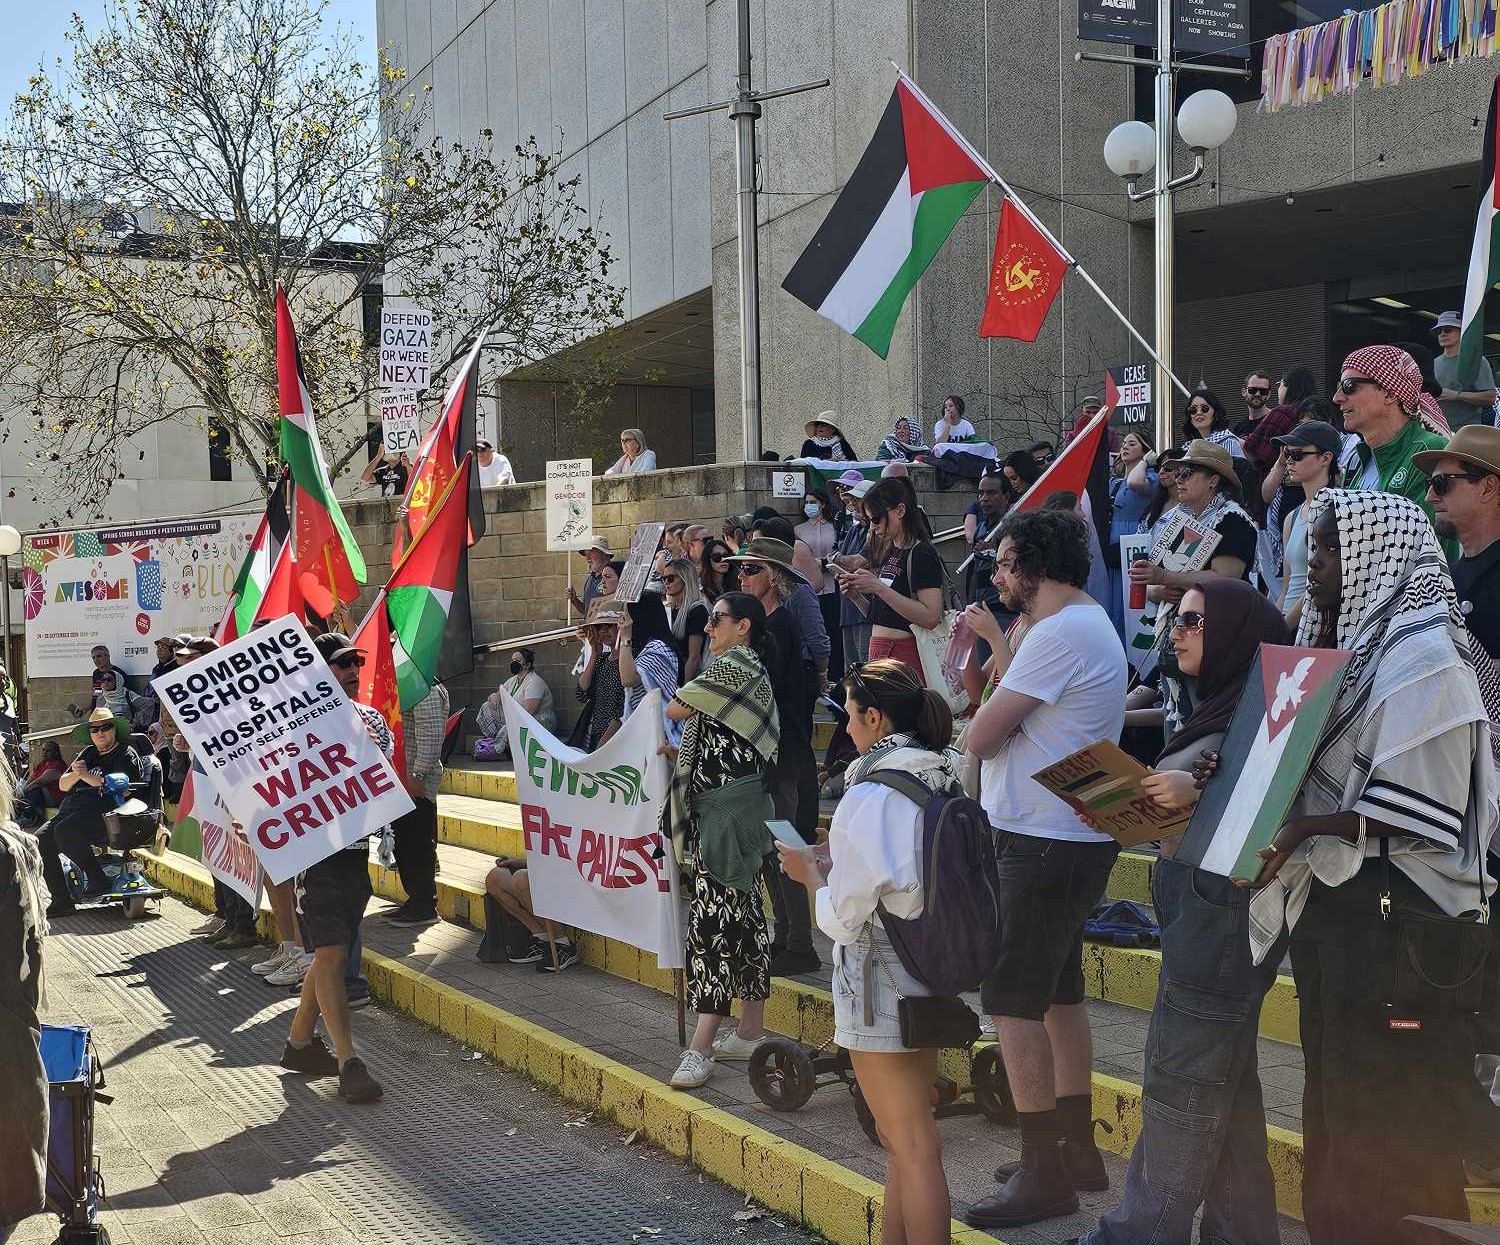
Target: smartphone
(785, 832)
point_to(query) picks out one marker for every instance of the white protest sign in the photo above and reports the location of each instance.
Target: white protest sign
(570, 504)
(643, 546)
(285, 749)
(594, 855)
(788, 484)
(405, 348)
(1140, 619)
(400, 423)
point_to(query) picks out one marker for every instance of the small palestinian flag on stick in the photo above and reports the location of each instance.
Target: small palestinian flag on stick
(1484, 259)
(1264, 758)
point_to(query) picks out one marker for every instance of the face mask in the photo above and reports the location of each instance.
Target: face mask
(812, 510)
(515, 667)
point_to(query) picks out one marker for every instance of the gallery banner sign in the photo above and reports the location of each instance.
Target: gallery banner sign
(283, 747)
(594, 853)
(123, 587)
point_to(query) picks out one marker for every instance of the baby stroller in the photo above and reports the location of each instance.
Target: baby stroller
(74, 1186)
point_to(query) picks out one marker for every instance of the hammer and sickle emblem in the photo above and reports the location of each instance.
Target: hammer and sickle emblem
(1018, 277)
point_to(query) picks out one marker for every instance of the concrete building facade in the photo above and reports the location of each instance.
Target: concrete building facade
(1314, 229)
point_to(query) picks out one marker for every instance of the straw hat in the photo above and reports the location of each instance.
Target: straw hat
(769, 550)
(823, 417)
(603, 612)
(102, 717)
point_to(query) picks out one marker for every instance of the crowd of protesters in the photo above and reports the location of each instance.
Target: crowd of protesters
(1362, 523)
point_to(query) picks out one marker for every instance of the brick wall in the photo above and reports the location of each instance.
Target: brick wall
(517, 587)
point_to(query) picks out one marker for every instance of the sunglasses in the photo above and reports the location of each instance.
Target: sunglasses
(869, 692)
(715, 617)
(671, 579)
(1296, 456)
(1197, 409)
(343, 663)
(1185, 473)
(717, 558)
(751, 568)
(1351, 384)
(101, 730)
(1254, 390)
(1441, 481)
(1188, 620)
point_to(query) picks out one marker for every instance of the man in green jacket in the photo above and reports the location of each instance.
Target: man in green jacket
(1378, 392)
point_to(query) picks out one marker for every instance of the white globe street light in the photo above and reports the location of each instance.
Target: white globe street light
(10, 541)
(1130, 149)
(1206, 120)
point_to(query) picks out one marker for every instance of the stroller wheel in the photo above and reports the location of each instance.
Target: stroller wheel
(782, 1075)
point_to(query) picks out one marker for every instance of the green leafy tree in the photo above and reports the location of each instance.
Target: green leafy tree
(188, 155)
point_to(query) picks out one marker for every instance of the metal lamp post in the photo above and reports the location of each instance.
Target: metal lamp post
(1133, 148)
(10, 545)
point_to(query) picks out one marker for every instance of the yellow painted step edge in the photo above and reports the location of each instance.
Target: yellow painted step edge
(788, 1179)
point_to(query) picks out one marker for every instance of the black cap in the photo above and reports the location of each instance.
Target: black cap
(1324, 438)
(335, 644)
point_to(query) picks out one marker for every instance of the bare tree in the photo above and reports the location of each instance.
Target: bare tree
(190, 155)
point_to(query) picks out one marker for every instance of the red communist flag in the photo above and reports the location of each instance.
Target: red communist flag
(1025, 276)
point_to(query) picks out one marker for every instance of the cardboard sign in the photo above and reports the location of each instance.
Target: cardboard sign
(570, 504)
(1188, 547)
(225, 852)
(643, 546)
(282, 746)
(788, 484)
(1105, 783)
(405, 348)
(400, 423)
(594, 854)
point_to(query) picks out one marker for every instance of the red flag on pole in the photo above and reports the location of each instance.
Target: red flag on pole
(377, 679)
(1025, 276)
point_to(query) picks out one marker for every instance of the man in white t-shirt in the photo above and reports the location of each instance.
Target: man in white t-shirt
(494, 467)
(1062, 689)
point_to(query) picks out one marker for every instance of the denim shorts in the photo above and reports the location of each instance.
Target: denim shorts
(870, 963)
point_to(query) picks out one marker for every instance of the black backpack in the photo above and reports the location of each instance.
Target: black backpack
(954, 943)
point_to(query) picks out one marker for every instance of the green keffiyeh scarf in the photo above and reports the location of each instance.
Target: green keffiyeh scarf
(736, 692)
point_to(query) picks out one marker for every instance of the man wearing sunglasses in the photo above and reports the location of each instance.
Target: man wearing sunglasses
(1378, 391)
(1257, 395)
(79, 825)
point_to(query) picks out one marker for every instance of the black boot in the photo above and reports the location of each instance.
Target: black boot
(1039, 1189)
(1084, 1165)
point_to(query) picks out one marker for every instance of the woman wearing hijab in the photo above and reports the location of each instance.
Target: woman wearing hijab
(1204, 1136)
(826, 441)
(729, 730)
(905, 443)
(1390, 829)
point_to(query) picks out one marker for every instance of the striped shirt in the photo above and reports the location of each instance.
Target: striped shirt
(657, 666)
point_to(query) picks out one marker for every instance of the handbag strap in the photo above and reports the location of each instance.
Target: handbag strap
(948, 588)
(1385, 883)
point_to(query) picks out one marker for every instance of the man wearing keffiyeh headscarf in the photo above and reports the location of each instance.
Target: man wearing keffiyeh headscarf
(1403, 768)
(1380, 394)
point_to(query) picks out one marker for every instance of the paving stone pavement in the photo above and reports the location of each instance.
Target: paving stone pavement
(209, 1143)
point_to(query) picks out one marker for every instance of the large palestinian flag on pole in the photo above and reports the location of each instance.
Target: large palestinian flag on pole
(1484, 259)
(897, 209)
(1264, 758)
(419, 596)
(255, 573)
(329, 562)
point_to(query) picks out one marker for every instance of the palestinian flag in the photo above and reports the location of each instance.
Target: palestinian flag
(1073, 469)
(377, 678)
(1484, 259)
(330, 563)
(420, 593)
(255, 571)
(442, 450)
(1264, 758)
(914, 181)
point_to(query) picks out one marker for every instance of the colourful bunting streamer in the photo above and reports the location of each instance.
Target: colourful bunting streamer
(1385, 45)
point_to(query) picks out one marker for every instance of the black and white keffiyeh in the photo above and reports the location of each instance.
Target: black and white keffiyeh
(1411, 677)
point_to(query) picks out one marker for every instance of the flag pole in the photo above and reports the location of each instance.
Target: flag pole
(1031, 216)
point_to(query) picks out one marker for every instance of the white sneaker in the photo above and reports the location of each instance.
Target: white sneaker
(210, 927)
(275, 960)
(693, 1071)
(730, 1045)
(292, 971)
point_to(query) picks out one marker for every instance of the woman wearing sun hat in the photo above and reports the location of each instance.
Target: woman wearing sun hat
(826, 441)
